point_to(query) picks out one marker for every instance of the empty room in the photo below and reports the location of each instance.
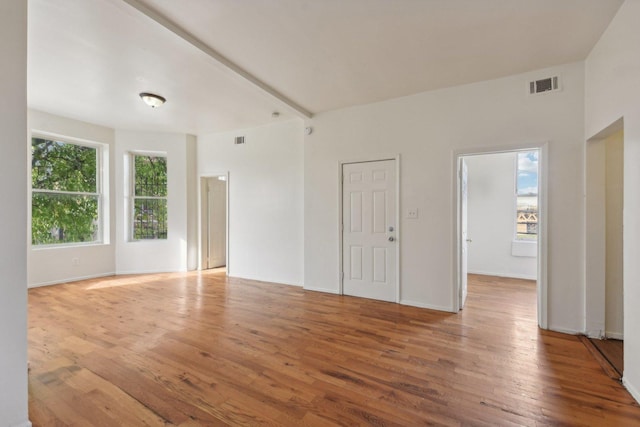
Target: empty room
(299, 212)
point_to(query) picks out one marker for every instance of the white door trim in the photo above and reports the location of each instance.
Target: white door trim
(201, 219)
(541, 287)
(398, 235)
(462, 225)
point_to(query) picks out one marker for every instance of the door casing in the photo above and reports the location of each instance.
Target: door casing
(595, 235)
(541, 286)
(202, 218)
(216, 233)
(463, 233)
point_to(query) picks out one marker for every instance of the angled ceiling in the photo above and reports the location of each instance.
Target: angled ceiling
(88, 59)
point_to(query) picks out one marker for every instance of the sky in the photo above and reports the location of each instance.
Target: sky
(528, 173)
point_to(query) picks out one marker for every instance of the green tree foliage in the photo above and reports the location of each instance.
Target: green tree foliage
(150, 205)
(150, 176)
(59, 169)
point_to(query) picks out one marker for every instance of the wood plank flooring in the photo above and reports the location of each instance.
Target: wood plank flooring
(198, 349)
(613, 352)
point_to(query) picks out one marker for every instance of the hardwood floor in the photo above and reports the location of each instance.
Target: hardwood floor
(613, 351)
(198, 349)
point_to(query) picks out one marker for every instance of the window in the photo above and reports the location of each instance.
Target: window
(527, 196)
(66, 192)
(149, 197)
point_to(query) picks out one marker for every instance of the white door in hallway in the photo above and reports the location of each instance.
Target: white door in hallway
(216, 222)
(369, 230)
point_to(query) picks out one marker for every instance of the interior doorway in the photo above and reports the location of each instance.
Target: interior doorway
(214, 222)
(604, 241)
(501, 219)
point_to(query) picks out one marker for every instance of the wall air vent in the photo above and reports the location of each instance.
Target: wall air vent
(549, 84)
(238, 140)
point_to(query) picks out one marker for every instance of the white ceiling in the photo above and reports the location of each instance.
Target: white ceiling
(89, 59)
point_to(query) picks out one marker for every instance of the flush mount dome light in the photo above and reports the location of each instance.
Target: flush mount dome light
(152, 100)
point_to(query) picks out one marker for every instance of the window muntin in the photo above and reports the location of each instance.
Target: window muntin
(65, 192)
(149, 197)
(527, 196)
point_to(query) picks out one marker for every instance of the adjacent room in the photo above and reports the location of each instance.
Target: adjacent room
(299, 212)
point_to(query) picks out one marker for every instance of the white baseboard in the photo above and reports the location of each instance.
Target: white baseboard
(565, 330)
(631, 389)
(71, 279)
(325, 290)
(127, 272)
(614, 335)
(428, 306)
(135, 272)
(266, 280)
(595, 334)
(509, 275)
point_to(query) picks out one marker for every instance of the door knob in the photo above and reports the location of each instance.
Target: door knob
(391, 239)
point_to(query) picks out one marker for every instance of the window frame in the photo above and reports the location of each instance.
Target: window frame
(131, 162)
(516, 238)
(102, 168)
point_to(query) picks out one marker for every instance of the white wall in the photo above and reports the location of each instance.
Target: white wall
(154, 255)
(491, 205)
(613, 91)
(55, 265)
(265, 199)
(13, 213)
(426, 130)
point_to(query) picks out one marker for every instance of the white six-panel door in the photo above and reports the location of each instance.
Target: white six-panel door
(369, 230)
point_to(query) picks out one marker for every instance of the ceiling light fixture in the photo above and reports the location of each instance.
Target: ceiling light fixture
(152, 100)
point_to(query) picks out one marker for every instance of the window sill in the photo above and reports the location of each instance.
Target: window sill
(67, 246)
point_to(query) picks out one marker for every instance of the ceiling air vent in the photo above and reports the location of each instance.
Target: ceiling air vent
(549, 84)
(238, 140)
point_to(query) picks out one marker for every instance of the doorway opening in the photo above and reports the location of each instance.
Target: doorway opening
(500, 207)
(214, 223)
(604, 242)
